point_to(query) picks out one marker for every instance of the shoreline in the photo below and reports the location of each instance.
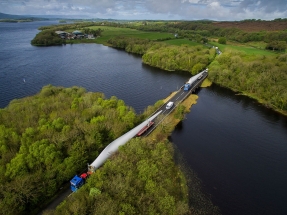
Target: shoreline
(207, 82)
(105, 43)
(258, 100)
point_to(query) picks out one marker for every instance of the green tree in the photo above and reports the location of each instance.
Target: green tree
(222, 40)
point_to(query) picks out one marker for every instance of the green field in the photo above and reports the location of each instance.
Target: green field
(109, 32)
(257, 44)
(243, 48)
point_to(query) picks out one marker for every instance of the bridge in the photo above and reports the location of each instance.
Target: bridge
(181, 94)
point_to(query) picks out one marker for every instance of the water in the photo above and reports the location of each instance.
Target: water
(237, 147)
(25, 69)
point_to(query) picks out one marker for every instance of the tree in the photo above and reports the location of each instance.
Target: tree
(222, 40)
(204, 40)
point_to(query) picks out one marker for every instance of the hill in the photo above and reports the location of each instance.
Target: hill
(255, 25)
(10, 16)
(19, 18)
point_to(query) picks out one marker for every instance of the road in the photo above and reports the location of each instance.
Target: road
(176, 99)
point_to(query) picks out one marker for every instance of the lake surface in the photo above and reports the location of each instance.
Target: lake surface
(237, 147)
(239, 150)
(25, 69)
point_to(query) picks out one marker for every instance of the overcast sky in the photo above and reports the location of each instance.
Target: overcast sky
(151, 9)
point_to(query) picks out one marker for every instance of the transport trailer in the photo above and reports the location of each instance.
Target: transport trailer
(200, 77)
(144, 129)
(191, 81)
(79, 181)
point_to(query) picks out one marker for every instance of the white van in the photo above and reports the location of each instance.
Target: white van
(169, 105)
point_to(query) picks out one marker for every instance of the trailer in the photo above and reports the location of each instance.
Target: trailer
(190, 82)
(79, 181)
(144, 129)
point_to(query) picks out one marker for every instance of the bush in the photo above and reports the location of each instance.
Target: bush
(222, 40)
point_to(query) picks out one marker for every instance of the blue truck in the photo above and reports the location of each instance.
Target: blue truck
(187, 87)
(78, 181)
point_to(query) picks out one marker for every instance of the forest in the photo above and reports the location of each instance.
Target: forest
(48, 138)
(263, 78)
(168, 57)
(141, 179)
(48, 38)
(183, 58)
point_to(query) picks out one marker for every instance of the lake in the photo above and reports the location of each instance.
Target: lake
(237, 147)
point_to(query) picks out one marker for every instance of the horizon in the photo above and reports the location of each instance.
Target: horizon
(220, 10)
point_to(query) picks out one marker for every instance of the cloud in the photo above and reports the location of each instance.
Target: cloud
(267, 6)
(151, 9)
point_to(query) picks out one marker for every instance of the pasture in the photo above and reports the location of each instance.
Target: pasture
(109, 32)
(248, 50)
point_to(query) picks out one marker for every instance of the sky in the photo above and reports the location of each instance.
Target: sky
(220, 10)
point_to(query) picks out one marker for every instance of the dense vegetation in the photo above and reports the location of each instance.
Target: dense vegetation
(48, 138)
(183, 58)
(48, 37)
(131, 45)
(167, 57)
(141, 179)
(198, 30)
(264, 78)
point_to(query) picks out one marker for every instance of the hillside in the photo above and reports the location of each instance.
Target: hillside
(254, 26)
(10, 16)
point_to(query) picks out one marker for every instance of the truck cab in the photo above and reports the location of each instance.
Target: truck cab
(77, 181)
(186, 87)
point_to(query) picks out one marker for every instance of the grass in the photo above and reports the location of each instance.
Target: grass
(109, 32)
(243, 48)
(170, 121)
(206, 83)
(257, 44)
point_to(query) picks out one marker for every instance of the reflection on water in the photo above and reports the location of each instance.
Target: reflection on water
(238, 148)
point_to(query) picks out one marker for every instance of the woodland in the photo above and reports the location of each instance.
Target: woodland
(48, 138)
(263, 78)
